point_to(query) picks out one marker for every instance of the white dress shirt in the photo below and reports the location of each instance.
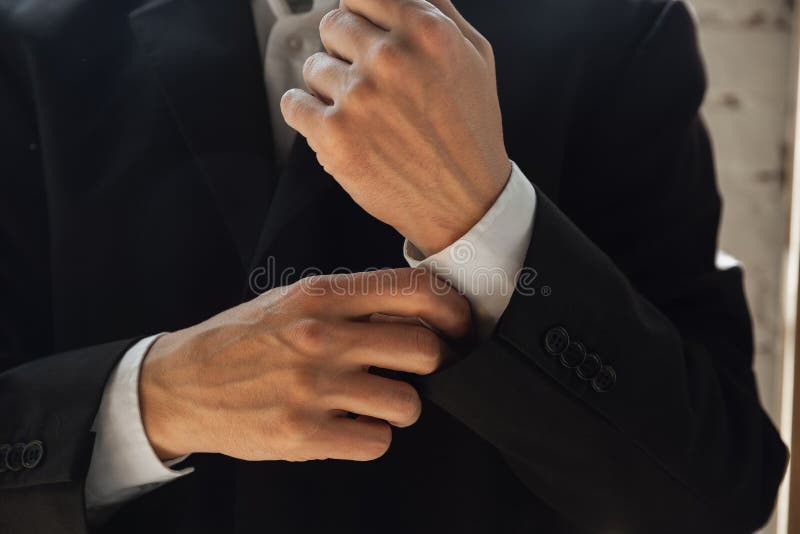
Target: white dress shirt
(483, 265)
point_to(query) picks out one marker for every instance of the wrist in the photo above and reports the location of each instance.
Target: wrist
(160, 412)
(442, 231)
(436, 239)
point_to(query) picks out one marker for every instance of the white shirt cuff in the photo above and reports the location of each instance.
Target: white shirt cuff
(484, 264)
(123, 464)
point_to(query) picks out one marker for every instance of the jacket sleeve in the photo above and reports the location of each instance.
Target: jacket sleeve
(622, 394)
(47, 402)
(51, 401)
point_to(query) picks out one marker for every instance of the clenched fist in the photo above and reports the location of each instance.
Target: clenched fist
(276, 378)
(403, 112)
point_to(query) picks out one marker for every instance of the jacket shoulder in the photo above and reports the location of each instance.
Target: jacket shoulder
(619, 30)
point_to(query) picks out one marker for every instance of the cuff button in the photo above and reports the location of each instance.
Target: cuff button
(32, 454)
(574, 355)
(4, 450)
(556, 341)
(590, 367)
(14, 457)
(605, 380)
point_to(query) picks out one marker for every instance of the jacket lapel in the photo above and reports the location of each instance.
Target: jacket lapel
(206, 58)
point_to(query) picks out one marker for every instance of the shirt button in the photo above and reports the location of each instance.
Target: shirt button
(556, 341)
(574, 355)
(32, 454)
(605, 379)
(14, 457)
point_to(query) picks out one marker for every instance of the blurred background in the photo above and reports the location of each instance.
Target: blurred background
(749, 47)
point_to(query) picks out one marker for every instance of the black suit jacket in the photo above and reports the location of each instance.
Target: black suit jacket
(138, 192)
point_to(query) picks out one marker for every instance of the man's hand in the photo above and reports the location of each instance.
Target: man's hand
(275, 378)
(404, 114)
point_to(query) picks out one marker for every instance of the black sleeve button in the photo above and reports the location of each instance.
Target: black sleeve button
(574, 355)
(590, 367)
(14, 457)
(556, 341)
(32, 454)
(3, 455)
(605, 379)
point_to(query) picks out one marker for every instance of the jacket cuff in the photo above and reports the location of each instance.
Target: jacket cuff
(54, 401)
(581, 322)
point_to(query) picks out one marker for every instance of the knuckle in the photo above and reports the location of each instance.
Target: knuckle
(330, 19)
(312, 336)
(407, 404)
(311, 64)
(288, 103)
(379, 445)
(432, 30)
(429, 349)
(410, 12)
(386, 56)
(485, 47)
(361, 90)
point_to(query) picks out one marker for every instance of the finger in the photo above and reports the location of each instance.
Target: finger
(395, 15)
(325, 76)
(348, 35)
(384, 13)
(383, 318)
(401, 292)
(362, 439)
(417, 293)
(362, 393)
(302, 111)
(395, 346)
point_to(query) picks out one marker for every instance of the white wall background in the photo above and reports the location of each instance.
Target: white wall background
(747, 46)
